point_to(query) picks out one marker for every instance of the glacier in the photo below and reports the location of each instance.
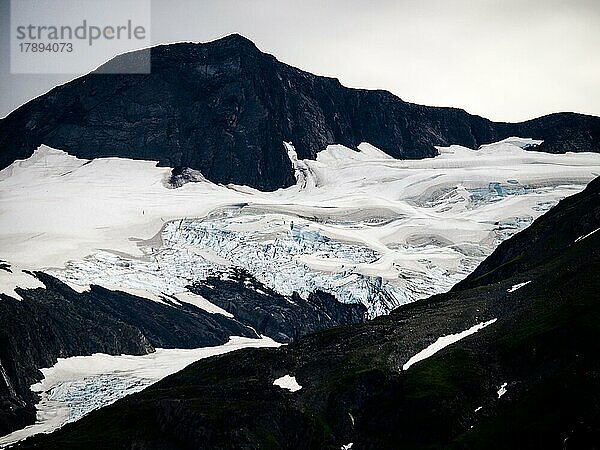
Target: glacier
(358, 224)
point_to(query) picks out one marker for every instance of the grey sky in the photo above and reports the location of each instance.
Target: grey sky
(506, 60)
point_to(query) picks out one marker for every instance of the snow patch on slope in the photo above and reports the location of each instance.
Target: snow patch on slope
(445, 341)
(514, 287)
(200, 302)
(287, 382)
(502, 390)
(581, 238)
(9, 281)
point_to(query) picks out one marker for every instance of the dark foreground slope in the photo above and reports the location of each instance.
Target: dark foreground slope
(543, 349)
(58, 322)
(225, 108)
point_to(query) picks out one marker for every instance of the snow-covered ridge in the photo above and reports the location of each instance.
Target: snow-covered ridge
(367, 227)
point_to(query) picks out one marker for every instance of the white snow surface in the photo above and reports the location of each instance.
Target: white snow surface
(445, 341)
(502, 390)
(75, 386)
(366, 227)
(514, 287)
(581, 238)
(287, 382)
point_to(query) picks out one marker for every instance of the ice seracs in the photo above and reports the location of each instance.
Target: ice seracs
(287, 382)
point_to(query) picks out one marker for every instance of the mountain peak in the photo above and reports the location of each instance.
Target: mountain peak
(225, 108)
(170, 56)
(234, 38)
(232, 43)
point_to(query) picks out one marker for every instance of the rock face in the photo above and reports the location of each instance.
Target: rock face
(224, 108)
(58, 322)
(529, 379)
(277, 316)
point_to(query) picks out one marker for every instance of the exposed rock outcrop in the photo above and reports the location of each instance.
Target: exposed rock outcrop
(225, 108)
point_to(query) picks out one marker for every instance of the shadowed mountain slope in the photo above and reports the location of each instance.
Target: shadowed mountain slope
(58, 322)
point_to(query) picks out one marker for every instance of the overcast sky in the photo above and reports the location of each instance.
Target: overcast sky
(503, 59)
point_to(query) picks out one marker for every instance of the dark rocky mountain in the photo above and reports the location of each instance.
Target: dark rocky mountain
(528, 380)
(58, 322)
(225, 108)
(272, 314)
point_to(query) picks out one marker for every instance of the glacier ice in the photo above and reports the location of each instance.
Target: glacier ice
(277, 250)
(358, 224)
